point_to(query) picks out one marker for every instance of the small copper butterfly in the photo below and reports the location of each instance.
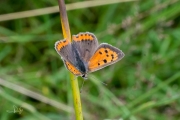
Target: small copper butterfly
(84, 55)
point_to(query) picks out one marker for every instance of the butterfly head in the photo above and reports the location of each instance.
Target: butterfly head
(84, 76)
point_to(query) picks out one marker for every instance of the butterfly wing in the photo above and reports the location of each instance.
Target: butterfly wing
(105, 55)
(86, 44)
(64, 49)
(72, 68)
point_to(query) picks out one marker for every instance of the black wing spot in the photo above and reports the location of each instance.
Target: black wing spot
(107, 55)
(105, 61)
(106, 51)
(87, 50)
(92, 36)
(100, 52)
(98, 63)
(77, 36)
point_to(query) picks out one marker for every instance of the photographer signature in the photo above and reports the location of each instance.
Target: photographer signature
(15, 110)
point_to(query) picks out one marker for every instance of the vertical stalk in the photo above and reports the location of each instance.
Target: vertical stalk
(74, 80)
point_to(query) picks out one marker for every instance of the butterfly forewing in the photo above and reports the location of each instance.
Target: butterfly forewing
(104, 55)
(86, 44)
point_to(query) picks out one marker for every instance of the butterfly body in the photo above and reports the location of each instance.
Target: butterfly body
(85, 55)
(79, 63)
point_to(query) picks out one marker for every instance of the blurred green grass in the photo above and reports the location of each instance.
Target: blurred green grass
(144, 85)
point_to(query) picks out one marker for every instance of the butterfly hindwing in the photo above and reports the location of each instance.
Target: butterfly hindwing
(104, 55)
(86, 44)
(72, 68)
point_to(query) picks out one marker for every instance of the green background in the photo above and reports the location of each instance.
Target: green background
(144, 85)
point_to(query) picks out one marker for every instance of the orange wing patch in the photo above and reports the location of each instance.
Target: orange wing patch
(102, 58)
(61, 44)
(83, 36)
(71, 68)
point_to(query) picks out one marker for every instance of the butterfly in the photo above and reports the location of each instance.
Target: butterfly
(84, 55)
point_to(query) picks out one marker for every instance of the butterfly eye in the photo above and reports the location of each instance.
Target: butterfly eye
(84, 76)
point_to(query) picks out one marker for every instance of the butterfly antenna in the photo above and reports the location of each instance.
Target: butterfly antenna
(82, 85)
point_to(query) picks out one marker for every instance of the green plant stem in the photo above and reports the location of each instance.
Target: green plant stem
(74, 80)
